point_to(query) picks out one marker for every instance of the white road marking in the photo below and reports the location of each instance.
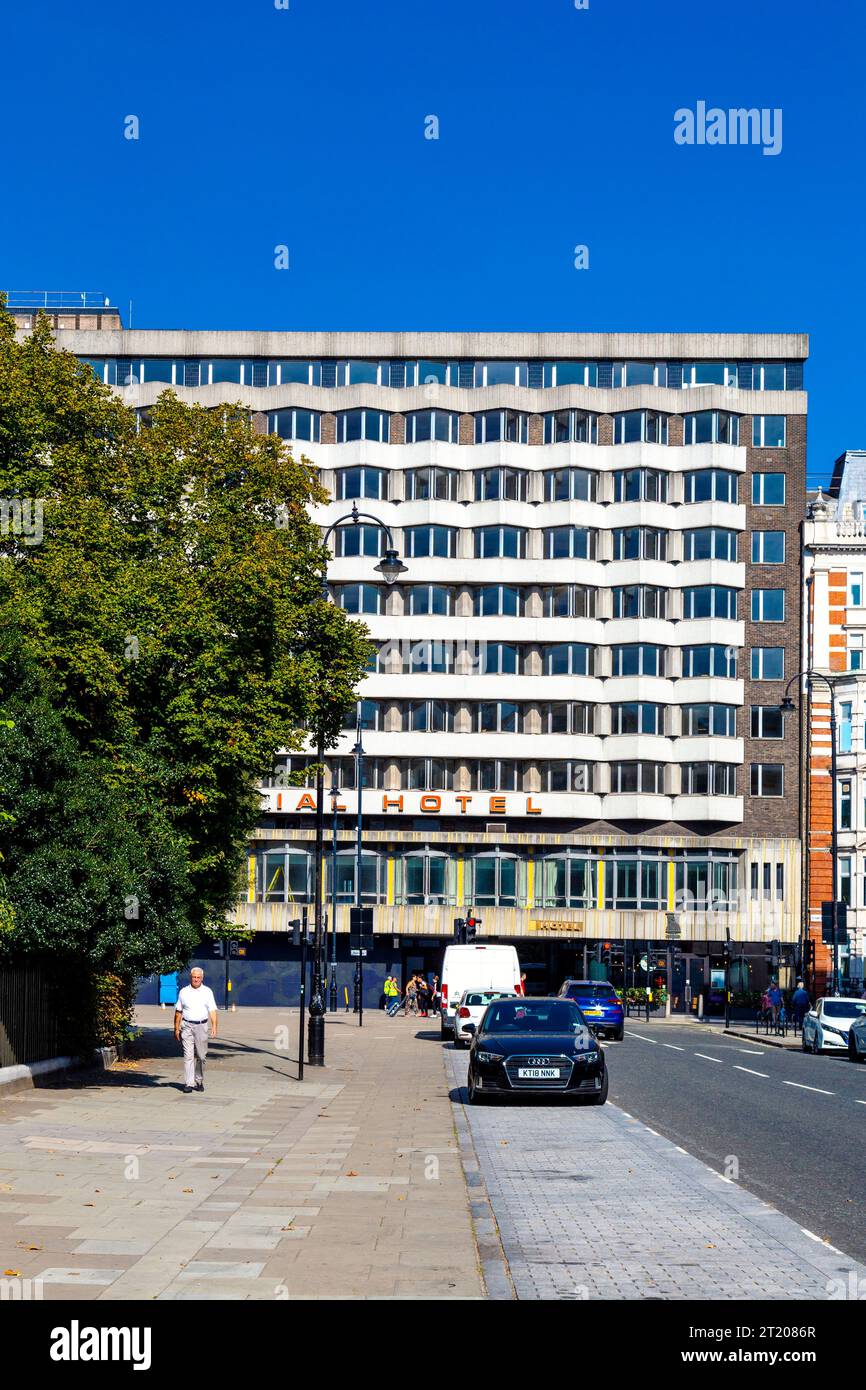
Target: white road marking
(673, 1047)
(748, 1052)
(654, 1041)
(765, 1074)
(710, 1059)
(801, 1087)
(651, 1131)
(860, 1102)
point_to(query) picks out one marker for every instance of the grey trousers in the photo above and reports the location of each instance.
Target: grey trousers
(193, 1037)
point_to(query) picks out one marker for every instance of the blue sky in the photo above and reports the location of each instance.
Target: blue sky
(305, 127)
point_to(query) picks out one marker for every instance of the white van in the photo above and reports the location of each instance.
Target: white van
(475, 967)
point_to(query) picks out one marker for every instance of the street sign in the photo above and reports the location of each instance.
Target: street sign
(672, 926)
(358, 951)
(841, 924)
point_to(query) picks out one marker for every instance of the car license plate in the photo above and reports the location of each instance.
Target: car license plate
(592, 1011)
(539, 1073)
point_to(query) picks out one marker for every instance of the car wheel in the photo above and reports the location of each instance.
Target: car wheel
(618, 1034)
(804, 1042)
(475, 1096)
(458, 1042)
(444, 1033)
(601, 1096)
(853, 1054)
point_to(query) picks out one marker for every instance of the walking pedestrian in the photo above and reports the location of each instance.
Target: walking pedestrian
(800, 1004)
(776, 999)
(195, 1013)
(423, 996)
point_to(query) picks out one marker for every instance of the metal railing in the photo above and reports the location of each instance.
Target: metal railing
(56, 299)
(28, 1015)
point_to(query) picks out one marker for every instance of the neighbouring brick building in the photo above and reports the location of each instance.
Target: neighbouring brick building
(834, 544)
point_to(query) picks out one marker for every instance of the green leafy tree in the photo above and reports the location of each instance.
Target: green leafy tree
(172, 608)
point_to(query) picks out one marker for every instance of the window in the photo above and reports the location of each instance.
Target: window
(569, 601)
(428, 655)
(344, 771)
(710, 543)
(768, 663)
(845, 879)
(570, 484)
(422, 425)
(639, 601)
(499, 659)
(567, 659)
(768, 605)
(498, 601)
(710, 485)
(362, 373)
(426, 484)
(570, 427)
(566, 776)
(497, 775)
(362, 424)
(361, 482)
(565, 880)
(427, 774)
(509, 425)
(357, 540)
(766, 779)
(710, 660)
(424, 373)
(494, 542)
(500, 374)
(570, 374)
(855, 651)
(430, 599)
(640, 485)
(768, 431)
(286, 875)
(639, 374)
(709, 779)
(636, 659)
(855, 590)
(845, 804)
(296, 424)
(768, 547)
(494, 483)
(494, 878)
(562, 717)
(706, 884)
(709, 721)
(644, 778)
(637, 884)
(711, 427)
(768, 489)
(282, 373)
(366, 712)
(358, 598)
(574, 542)
(425, 877)
(640, 427)
(430, 540)
(372, 877)
(766, 721)
(709, 601)
(709, 374)
(428, 717)
(639, 543)
(637, 718)
(497, 717)
(844, 727)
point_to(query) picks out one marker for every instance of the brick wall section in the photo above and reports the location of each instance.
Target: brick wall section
(605, 429)
(770, 815)
(397, 429)
(467, 429)
(536, 429)
(820, 887)
(328, 429)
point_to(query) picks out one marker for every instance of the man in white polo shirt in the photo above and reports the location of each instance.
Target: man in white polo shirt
(195, 1012)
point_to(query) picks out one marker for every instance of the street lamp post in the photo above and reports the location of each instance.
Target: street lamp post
(390, 567)
(787, 707)
(358, 750)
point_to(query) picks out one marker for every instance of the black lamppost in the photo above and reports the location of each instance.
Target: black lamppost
(787, 707)
(390, 567)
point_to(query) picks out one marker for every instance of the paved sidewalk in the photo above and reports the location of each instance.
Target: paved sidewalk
(116, 1185)
(590, 1203)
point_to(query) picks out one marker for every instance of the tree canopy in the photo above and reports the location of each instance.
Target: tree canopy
(162, 636)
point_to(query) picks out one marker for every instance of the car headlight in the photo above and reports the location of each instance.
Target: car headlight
(840, 1032)
(586, 1056)
(488, 1057)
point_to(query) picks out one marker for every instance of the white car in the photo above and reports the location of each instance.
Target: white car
(471, 1009)
(825, 1028)
(476, 966)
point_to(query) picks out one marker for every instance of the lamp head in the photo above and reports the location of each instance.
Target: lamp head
(390, 566)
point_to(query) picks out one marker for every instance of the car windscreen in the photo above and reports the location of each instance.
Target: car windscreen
(844, 1008)
(484, 996)
(603, 994)
(533, 1016)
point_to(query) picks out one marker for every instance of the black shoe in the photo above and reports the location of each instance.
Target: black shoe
(187, 1090)
(199, 1085)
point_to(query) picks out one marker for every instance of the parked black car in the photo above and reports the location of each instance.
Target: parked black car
(536, 1046)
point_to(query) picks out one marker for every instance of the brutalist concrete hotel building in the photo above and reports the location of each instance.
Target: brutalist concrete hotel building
(572, 723)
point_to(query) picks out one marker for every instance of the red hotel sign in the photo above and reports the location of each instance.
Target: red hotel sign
(429, 804)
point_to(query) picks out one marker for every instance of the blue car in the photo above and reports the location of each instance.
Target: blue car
(599, 1004)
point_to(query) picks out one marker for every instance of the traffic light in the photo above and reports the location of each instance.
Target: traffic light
(459, 925)
(472, 925)
(809, 953)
